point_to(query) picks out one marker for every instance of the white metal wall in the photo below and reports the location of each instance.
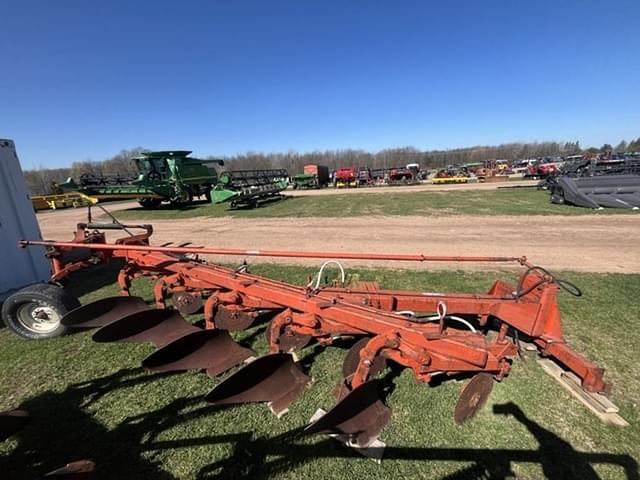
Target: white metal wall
(18, 267)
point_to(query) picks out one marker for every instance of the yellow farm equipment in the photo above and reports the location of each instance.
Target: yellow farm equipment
(63, 200)
(456, 179)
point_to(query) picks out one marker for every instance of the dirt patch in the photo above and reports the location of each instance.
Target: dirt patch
(581, 243)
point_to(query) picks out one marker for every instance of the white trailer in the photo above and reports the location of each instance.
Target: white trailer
(31, 308)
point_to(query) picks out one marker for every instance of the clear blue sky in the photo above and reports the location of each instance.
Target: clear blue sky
(84, 79)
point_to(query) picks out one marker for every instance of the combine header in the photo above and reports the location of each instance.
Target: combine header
(250, 188)
(436, 335)
(592, 183)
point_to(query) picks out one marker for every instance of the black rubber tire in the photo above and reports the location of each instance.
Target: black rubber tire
(149, 202)
(37, 295)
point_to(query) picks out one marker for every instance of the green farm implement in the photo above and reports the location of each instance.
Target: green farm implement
(177, 178)
(250, 188)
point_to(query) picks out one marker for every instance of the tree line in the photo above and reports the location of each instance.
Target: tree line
(40, 180)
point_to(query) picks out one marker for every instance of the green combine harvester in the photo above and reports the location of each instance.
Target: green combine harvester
(176, 178)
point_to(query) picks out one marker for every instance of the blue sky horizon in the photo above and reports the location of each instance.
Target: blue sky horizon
(88, 79)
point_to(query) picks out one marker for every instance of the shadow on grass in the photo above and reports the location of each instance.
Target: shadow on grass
(264, 458)
(263, 202)
(62, 430)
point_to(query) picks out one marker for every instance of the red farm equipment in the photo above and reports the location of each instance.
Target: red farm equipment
(435, 335)
(346, 177)
(404, 175)
(544, 167)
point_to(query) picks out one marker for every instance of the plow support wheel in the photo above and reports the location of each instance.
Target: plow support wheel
(273, 378)
(156, 326)
(213, 350)
(360, 415)
(102, 312)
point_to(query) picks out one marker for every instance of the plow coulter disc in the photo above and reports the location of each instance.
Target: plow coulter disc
(232, 319)
(288, 341)
(352, 359)
(213, 350)
(102, 312)
(187, 303)
(360, 415)
(274, 378)
(473, 397)
(156, 326)
(11, 422)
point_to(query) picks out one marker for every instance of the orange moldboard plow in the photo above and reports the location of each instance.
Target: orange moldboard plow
(436, 335)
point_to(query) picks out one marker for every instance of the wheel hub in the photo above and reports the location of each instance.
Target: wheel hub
(38, 318)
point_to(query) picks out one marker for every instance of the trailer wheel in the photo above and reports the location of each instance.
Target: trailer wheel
(35, 311)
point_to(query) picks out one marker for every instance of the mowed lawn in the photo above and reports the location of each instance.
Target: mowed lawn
(91, 400)
(507, 201)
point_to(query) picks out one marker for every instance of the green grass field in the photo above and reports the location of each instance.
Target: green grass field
(523, 201)
(91, 400)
